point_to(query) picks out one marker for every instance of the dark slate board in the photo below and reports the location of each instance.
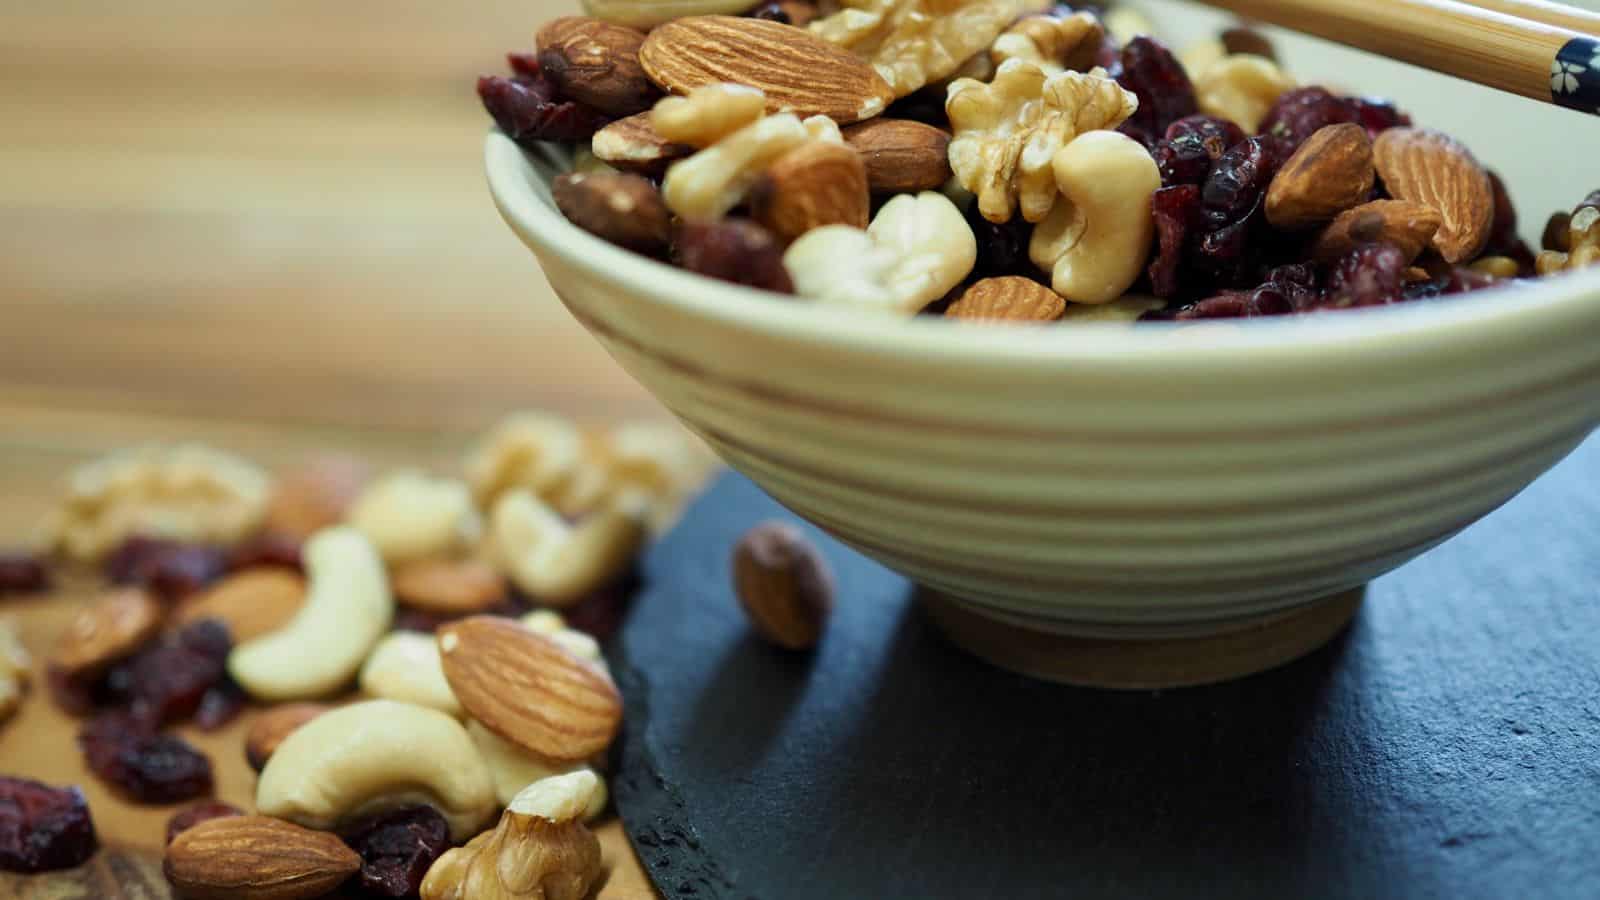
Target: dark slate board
(1447, 745)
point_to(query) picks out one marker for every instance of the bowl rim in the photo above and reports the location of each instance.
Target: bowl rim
(1555, 305)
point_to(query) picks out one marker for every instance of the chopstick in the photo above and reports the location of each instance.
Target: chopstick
(1558, 14)
(1555, 64)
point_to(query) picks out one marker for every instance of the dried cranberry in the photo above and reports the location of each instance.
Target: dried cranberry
(601, 611)
(1176, 211)
(43, 827)
(1300, 113)
(1165, 94)
(736, 250)
(190, 816)
(22, 573)
(176, 572)
(1370, 275)
(1238, 180)
(1002, 247)
(160, 768)
(270, 549)
(219, 705)
(125, 564)
(75, 695)
(1503, 237)
(100, 737)
(1228, 255)
(1376, 114)
(1286, 289)
(525, 65)
(527, 108)
(1216, 134)
(396, 849)
(168, 679)
(1183, 160)
(1463, 280)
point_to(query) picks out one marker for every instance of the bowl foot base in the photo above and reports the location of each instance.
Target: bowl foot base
(1236, 649)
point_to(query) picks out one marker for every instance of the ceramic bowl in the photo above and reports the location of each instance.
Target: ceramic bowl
(1108, 504)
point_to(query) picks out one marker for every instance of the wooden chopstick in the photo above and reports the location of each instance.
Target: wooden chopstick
(1547, 62)
(1558, 14)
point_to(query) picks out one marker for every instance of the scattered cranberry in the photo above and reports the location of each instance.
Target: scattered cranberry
(1176, 211)
(396, 849)
(144, 767)
(177, 572)
(74, 695)
(1002, 248)
(1370, 275)
(1237, 182)
(527, 107)
(127, 561)
(1214, 133)
(1182, 161)
(42, 827)
(269, 549)
(219, 705)
(1300, 113)
(22, 573)
(168, 679)
(190, 816)
(101, 735)
(1165, 94)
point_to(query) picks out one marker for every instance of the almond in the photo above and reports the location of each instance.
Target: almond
(1402, 223)
(529, 689)
(1435, 170)
(448, 586)
(1329, 173)
(815, 184)
(902, 156)
(315, 495)
(626, 210)
(272, 725)
(1011, 298)
(251, 603)
(597, 64)
(256, 858)
(796, 70)
(115, 626)
(783, 584)
(634, 145)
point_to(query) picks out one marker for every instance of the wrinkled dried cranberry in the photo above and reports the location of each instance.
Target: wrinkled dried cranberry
(1238, 180)
(1176, 211)
(1228, 255)
(101, 736)
(1463, 280)
(1165, 94)
(1216, 134)
(159, 768)
(1370, 275)
(168, 679)
(736, 250)
(190, 816)
(1183, 160)
(525, 65)
(1286, 289)
(219, 705)
(127, 561)
(396, 849)
(1002, 247)
(42, 827)
(176, 572)
(270, 549)
(1299, 113)
(22, 573)
(1376, 114)
(527, 108)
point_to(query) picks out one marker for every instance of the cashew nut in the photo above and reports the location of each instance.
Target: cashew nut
(1241, 87)
(347, 609)
(559, 563)
(513, 768)
(917, 248)
(532, 450)
(405, 666)
(550, 624)
(409, 515)
(1096, 238)
(373, 756)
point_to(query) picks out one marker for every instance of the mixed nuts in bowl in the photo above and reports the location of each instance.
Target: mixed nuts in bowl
(1159, 480)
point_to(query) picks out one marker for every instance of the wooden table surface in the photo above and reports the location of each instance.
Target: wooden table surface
(262, 226)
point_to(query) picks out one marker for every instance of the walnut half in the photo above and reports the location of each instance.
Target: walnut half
(541, 849)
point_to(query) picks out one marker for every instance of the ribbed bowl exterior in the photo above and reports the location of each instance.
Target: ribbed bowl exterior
(1114, 481)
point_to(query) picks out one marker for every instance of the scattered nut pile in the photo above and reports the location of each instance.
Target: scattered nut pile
(1003, 160)
(483, 716)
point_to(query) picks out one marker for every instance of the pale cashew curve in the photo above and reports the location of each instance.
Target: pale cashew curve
(556, 562)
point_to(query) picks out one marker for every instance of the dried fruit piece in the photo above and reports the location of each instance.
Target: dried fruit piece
(144, 767)
(397, 848)
(168, 679)
(1302, 112)
(219, 705)
(256, 858)
(22, 573)
(596, 63)
(526, 108)
(784, 584)
(912, 43)
(1010, 298)
(1330, 173)
(113, 628)
(43, 828)
(273, 725)
(796, 71)
(1434, 169)
(249, 603)
(626, 210)
(190, 816)
(1370, 275)
(1241, 39)
(901, 156)
(177, 572)
(817, 183)
(1408, 226)
(528, 689)
(1162, 87)
(634, 145)
(736, 250)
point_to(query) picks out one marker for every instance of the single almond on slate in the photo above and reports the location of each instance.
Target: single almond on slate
(529, 689)
(115, 626)
(1402, 223)
(448, 586)
(634, 145)
(902, 156)
(784, 585)
(815, 184)
(251, 603)
(272, 725)
(1434, 169)
(797, 70)
(1331, 172)
(597, 64)
(1010, 298)
(626, 210)
(256, 858)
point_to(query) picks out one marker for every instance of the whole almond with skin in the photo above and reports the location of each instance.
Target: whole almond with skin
(901, 156)
(1008, 298)
(626, 210)
(529, 689)
(1434, 169)
(272, 725)
(448, 586)
(634, 145)
(784, 585)
(1402, 223)
(256, 858)
(251, 603)
(796, 70)
(113, 627)
(815, 184)
(1331, 172)
(597, 64)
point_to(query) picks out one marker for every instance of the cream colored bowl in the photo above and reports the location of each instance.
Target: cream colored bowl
(1109, 504)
